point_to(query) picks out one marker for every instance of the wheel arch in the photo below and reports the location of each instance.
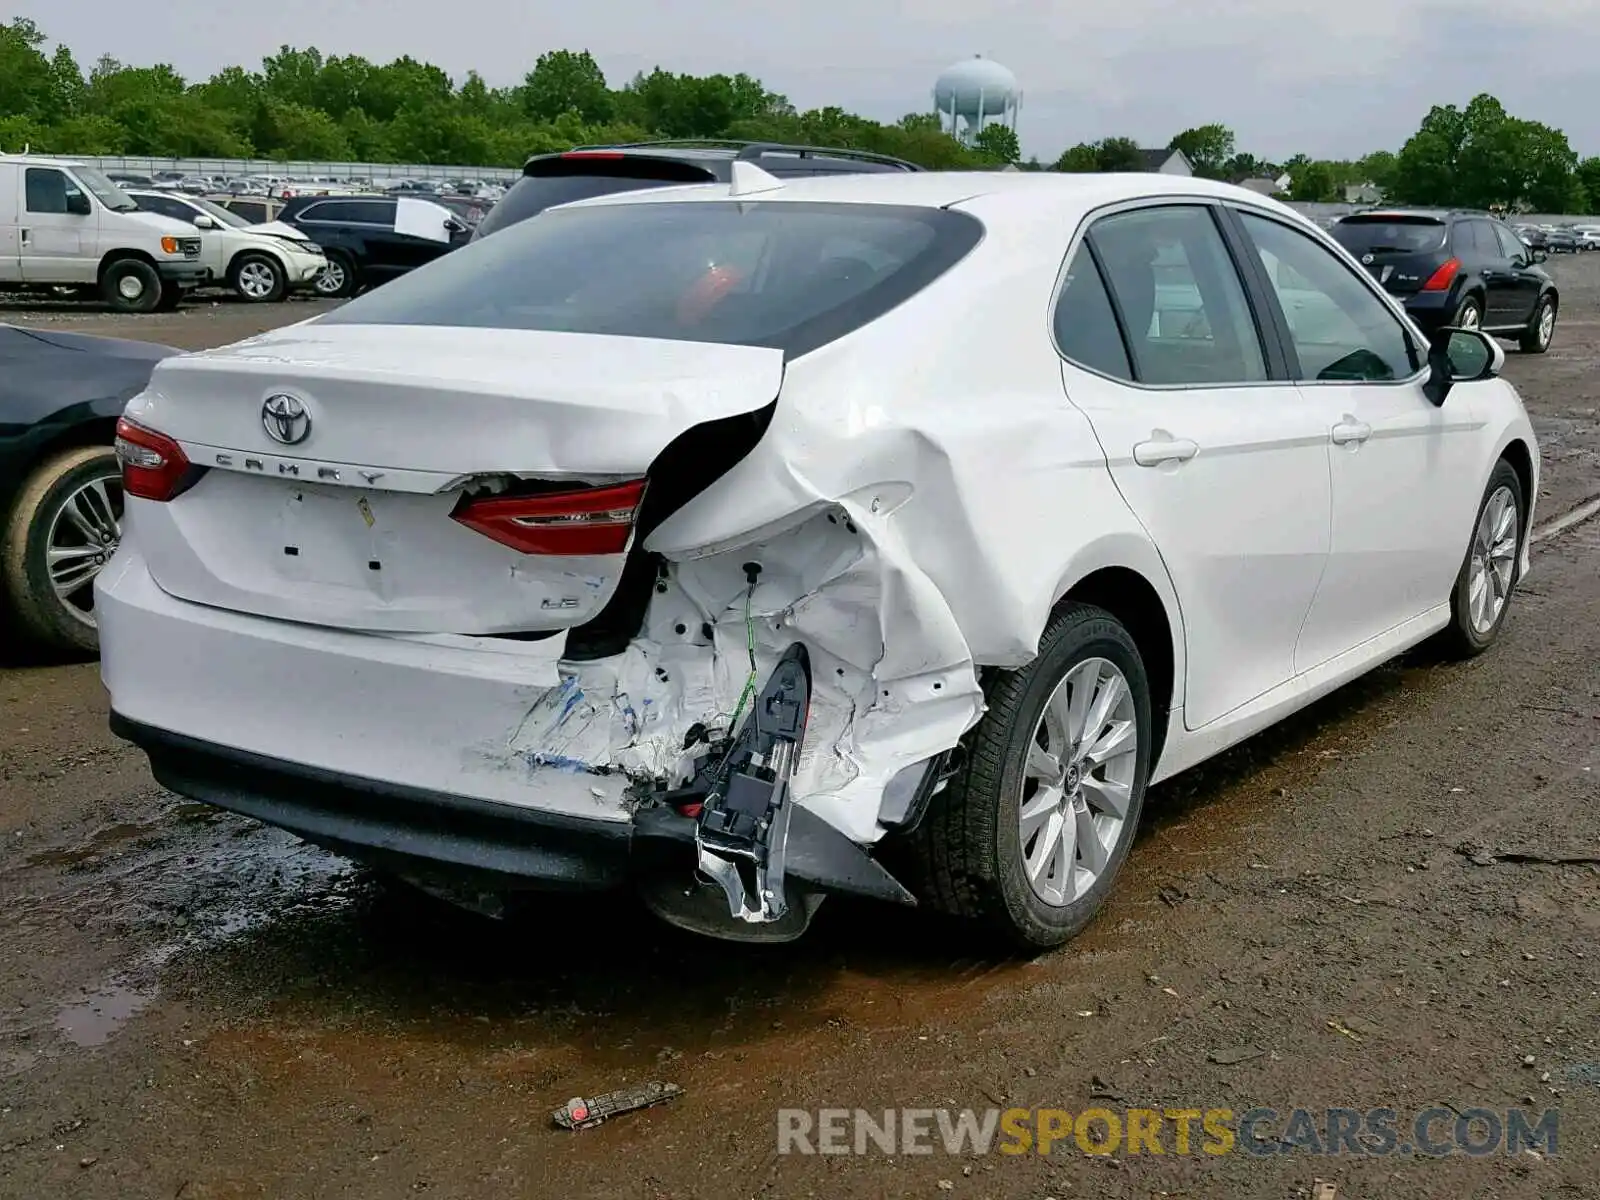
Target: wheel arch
(123, 254)
(1128, 580)
(255, 252)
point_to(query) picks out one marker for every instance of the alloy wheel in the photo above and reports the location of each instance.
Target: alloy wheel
(1078, 781)
(83, 534)
(257, 280)
(1494, 554)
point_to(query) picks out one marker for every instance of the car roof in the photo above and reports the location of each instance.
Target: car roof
(942, 189)
(713, 150)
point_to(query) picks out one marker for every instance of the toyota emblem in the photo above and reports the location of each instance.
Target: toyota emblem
(1367, 259)
(285, 419)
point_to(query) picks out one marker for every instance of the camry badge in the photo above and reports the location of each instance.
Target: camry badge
(285, 419)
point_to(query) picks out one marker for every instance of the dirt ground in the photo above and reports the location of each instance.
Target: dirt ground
(1359, 909)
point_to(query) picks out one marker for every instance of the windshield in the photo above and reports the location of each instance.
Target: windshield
(220, 213)
(104, 190)
(788, 275)
(1408, 235)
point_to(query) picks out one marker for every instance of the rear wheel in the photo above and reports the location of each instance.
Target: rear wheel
(1026, 841)
(1482, 594)
(1469, 315)
(1541, 327)
(338, 278)
(131, 285)
(65, 525)
(257, 278)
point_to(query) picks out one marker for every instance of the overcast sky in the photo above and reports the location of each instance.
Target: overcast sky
(1334, 78)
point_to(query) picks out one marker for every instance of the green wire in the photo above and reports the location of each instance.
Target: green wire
(750, 646)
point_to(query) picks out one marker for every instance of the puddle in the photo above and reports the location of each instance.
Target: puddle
(93, 1020)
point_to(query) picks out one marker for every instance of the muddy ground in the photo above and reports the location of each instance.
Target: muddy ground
(195, 1007)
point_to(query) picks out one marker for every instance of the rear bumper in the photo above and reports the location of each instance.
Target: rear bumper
(185, 274)
(396, 749)
(389, 822)
(1430, 310)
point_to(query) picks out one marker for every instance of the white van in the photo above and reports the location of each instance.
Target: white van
(63, 224)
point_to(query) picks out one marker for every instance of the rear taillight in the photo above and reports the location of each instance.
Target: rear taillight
(1441, 279)
(591, 521)
(592, 154)
(154, 467)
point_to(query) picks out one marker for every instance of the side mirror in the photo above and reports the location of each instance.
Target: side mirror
(205, 221)
(1539, 256)
(1460, 356)
(78, 204)
(455, 226)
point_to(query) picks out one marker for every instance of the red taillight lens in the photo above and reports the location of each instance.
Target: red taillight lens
(154, 467)
(1441, 279)
(592, 521)
(592, 154)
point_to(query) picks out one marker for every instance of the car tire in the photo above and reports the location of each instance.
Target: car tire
(1489, 571)
(258, 278)
(972, 851)
(1469, 315)
(34, 527)
(1541, 327)
(131, 285)
(339, 278)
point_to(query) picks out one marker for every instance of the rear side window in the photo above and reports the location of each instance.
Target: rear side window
(1180, 297)
(561, 181)
(1086, 326)
(366, 212)
(1380, 235)
(789, 275)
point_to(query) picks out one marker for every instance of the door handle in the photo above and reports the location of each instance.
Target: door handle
(1164, 450)
(25, 234)
(1350, 430)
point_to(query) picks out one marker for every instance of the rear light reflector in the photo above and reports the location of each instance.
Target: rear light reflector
(1441, 279)
(592, 154)
(154, 467)
(595, 520)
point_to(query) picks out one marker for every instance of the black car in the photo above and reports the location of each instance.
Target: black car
(551, 179)
(1457, 268)
(60, 484)
(358, 235)
(1562, 240)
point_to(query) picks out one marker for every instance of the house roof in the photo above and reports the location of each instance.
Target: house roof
(1154, 160)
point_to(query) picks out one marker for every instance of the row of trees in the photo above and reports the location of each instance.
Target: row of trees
(303, 105)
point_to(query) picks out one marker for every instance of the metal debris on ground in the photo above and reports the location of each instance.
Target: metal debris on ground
(582, 1113)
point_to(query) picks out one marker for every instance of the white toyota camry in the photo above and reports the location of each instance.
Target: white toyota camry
(884, 535)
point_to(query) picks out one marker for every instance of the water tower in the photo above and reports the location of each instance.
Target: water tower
(974, 92)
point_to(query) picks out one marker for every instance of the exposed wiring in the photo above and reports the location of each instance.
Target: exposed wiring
(750, 646)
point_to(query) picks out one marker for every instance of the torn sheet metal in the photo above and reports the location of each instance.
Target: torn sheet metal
(879, 700)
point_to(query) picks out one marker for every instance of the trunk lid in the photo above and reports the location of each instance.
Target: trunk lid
(351, 502)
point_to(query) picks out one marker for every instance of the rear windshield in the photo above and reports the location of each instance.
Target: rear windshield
(1374, 235)
(789, 275)
(561, 181)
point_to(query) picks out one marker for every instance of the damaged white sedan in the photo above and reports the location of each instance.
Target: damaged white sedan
(716, 540)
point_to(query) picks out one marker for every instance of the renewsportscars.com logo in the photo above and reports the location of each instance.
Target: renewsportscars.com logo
(1432, 1133)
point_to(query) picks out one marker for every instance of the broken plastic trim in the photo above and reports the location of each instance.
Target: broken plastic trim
(744, 819)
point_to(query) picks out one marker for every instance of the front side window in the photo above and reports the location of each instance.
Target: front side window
(789, 275)
(47, 190)
(1181, 301)
(1339, 329)
(1511, 246)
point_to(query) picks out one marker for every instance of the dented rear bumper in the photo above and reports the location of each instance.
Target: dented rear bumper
(422, 832)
